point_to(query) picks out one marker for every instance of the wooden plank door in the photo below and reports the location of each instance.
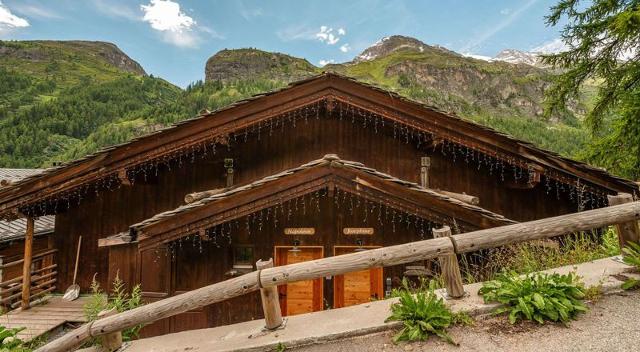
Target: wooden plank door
(154, 270)
(303, 296)
(356, 287)
(190, 269)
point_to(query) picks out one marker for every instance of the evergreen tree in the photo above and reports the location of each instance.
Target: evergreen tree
(603, 40)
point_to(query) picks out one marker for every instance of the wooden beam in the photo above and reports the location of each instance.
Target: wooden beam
(26, 266)
(123, 238)
(628, 231)
(270, 300)
(123, 177)
(450, 268)
(546, 228)
(425, 165)
(473, 200)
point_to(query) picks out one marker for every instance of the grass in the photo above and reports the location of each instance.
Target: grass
(528, 257)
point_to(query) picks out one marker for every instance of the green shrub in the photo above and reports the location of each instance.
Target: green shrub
(632, 257)
(118, 299)
(537, 296)
(423, 314)
(9, 340)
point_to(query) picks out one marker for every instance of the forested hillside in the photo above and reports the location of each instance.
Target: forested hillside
(48, 116)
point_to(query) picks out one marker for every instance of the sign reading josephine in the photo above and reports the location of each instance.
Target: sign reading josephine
(358, 231)
(299, 231)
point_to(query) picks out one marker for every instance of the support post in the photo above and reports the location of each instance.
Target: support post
(450, 268)
(628, 231)
(425, 164)
(228, 165)
(26, 265)
(270, 299)
(111, 341)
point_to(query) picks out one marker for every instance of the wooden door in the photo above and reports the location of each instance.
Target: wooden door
(356, 287)
(155, 269)
(303, 296)
(190, 272)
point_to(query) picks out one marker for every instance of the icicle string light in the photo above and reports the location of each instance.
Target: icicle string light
(426, 137)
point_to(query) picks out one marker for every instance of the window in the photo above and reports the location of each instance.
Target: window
(243, 257)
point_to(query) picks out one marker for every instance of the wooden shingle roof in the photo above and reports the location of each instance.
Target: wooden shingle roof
(328, 170)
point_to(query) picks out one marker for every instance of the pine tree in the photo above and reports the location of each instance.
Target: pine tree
(603, 40)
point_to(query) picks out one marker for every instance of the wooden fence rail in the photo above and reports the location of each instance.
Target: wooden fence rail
(13, 289)
(385, 256)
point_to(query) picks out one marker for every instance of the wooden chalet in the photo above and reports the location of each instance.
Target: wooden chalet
(323, 167)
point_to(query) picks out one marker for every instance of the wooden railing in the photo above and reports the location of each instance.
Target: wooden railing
(42, 280)
(267, 277)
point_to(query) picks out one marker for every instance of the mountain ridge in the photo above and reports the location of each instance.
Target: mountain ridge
(97, 103)
(432, 74)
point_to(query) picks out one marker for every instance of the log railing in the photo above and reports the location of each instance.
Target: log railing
(445, 246)
(41, 280)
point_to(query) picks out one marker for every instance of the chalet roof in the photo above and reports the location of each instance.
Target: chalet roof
(237, 116)
(9, 176)
(16, 229)
(428, 198)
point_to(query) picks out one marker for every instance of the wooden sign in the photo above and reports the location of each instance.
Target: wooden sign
(358, 231)
(299, 231)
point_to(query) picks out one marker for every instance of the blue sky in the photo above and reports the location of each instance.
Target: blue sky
(174, 38)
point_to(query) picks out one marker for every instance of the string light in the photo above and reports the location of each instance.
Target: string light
(584, 196)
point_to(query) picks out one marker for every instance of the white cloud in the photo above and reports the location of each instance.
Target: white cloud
(476, 42)
(326, 62)
(115, 9)
(551, 47)
(326, 35)
(175, 26)
(345, 47)
(165, 15)
(9, 21)
(505, 11)
(249, 12)
(36, 11)
(296, 32)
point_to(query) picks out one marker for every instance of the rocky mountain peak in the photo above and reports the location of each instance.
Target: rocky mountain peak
(514, 56)
(388, 45)
(239, 64)
(43, 50)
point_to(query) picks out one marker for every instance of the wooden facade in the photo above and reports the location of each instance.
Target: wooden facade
(130, 199)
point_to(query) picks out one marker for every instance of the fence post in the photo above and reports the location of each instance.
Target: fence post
(628, 231)
(270, 299)
(450, 268)
(113, 341)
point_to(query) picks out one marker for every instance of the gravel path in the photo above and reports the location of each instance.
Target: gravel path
(612, 324)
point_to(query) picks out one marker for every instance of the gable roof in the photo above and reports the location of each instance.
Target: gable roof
(16, 229)
(322, 90)
(9, 176)
(328, 172)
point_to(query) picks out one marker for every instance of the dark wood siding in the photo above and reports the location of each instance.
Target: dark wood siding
(113, 212)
